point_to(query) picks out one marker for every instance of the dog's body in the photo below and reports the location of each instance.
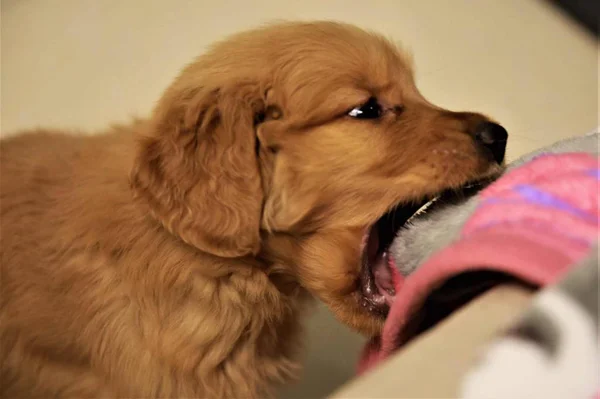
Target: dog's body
(121, 297)
(173, 257)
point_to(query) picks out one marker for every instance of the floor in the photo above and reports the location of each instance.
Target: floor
(83, 63)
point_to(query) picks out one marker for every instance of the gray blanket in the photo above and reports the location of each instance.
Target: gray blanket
(552, 352)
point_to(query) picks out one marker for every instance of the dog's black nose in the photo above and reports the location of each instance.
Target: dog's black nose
(492, 137)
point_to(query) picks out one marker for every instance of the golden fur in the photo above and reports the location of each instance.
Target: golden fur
(168, 258)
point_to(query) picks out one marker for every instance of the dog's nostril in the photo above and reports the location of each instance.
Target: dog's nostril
(489, 133)
(492, 137)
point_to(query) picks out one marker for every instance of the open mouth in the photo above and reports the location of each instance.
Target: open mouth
(379, 273)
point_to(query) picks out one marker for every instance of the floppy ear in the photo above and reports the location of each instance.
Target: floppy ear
(198, 171)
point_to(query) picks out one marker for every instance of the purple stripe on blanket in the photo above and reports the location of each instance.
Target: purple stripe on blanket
(594, 173)
(540, 197)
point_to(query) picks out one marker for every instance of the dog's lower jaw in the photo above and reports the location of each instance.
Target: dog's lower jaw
(327, 266)
(359, 317)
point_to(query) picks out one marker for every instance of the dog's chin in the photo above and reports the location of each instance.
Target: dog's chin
(379, 273)
(357, 317)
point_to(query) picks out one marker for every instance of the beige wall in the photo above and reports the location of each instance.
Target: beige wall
(84, 63)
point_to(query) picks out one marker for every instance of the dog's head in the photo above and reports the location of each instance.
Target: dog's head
(306, 144)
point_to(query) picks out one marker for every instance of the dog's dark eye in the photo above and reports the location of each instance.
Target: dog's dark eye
(369, 110)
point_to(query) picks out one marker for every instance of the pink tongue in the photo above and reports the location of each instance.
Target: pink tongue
(384, 279)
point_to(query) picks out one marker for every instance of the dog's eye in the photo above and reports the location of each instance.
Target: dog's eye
(369, 110)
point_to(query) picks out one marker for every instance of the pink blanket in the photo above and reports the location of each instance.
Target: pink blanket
(534, 223)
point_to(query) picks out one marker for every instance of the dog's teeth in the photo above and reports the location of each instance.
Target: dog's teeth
(425, 207)
(422, 209)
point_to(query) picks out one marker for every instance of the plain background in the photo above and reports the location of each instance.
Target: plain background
(81, 64)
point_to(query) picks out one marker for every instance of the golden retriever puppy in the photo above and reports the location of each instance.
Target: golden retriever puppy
(173, 257)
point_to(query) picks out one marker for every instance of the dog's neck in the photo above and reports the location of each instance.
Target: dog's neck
(279, 255)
